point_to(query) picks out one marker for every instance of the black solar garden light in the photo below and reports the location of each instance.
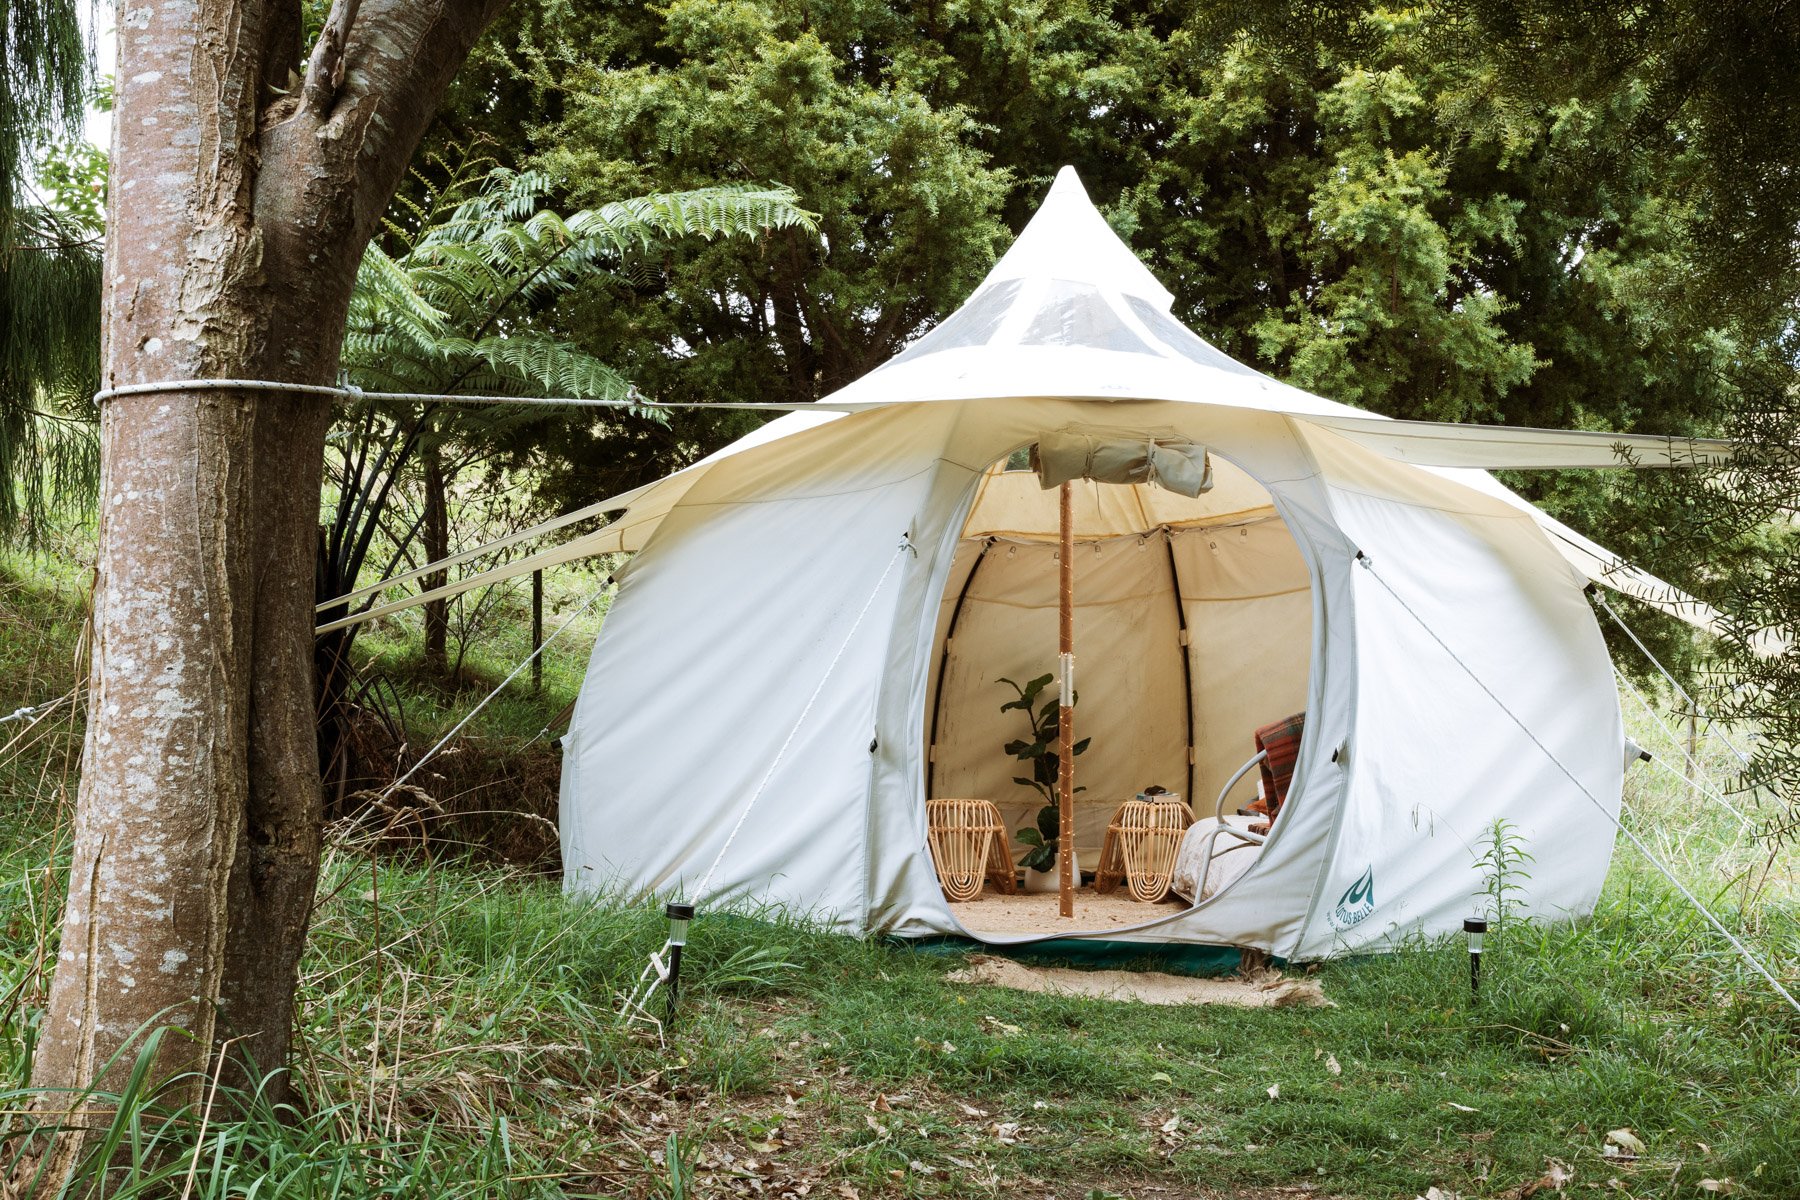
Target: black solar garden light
(1475, 927)
(679, 915)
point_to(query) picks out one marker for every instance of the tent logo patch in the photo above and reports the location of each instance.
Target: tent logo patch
(1357, 902)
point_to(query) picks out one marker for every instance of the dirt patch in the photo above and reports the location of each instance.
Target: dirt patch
(1265, 989)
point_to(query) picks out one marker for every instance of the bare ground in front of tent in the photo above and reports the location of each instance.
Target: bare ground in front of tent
(1630, 1056)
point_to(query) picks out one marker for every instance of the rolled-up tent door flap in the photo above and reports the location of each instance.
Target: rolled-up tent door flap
(1180, 465)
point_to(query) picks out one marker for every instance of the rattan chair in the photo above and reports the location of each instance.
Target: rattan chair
(968, 846)
(1141, 844)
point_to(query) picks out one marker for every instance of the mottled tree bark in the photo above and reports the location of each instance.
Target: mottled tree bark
(240, 208)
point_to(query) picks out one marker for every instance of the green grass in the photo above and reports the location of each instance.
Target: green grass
(459, 1034)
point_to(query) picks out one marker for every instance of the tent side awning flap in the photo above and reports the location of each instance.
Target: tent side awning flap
(1508, 447)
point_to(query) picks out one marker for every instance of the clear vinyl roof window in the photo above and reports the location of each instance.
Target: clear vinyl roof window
(1185, 342)
(1076, 314)
(974, 324)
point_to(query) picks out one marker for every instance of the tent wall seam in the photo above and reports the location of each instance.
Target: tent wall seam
(699, 892)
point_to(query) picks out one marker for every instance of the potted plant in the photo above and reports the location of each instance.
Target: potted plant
(1039, 749)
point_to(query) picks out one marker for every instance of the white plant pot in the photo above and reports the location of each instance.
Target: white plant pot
(1039, 882)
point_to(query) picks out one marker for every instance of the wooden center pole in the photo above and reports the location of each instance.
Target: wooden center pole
(1065, 743)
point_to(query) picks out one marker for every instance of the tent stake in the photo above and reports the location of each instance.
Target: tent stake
(1065, 747)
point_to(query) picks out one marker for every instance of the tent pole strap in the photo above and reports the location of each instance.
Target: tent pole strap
(1065, 749)
(1187, 657)
(937, 694)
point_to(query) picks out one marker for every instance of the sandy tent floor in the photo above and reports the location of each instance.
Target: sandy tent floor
(1265, 989)
(994, 913)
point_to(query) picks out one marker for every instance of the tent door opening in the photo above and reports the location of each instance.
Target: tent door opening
(1193, 627)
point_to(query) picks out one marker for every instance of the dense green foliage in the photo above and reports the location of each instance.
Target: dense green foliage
(1718, 75)
(49, 270)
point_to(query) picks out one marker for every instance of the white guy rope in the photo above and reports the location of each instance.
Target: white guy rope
(636, 1007)
(1743, 951)
(1700, 778)
(1712, 726)
(900, 552)
(20, 714)
(356, 393)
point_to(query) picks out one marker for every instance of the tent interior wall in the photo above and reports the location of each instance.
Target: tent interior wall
(1193, 625)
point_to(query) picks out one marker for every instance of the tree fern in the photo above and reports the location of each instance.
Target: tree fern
(459, 300)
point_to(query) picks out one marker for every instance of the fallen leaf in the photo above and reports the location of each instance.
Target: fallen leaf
(1331, 1064)
(880, 1103)
(1001, 1026)
(972, 1112)
(1461, 1107)
(1554, 1179)
(1162, 1077)
(1006, 1132)
(1274, 1091)
(1438, 1193)
(1628, 1144)
(1723, 1187)
(1172, 1124)
(848, 1192)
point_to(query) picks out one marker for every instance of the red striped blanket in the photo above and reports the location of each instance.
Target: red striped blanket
(1282, 742)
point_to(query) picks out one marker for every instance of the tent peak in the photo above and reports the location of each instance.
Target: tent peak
(1068, 239)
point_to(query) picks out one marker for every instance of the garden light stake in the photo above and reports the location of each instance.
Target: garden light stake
(679, 915)
(1475, 927)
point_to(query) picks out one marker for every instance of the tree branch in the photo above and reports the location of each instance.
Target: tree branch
(403, 58)
(325, 73)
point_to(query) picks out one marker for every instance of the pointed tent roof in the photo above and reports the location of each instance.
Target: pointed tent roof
(1069, 311)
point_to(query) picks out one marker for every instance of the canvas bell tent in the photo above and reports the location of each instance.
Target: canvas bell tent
(805, 645)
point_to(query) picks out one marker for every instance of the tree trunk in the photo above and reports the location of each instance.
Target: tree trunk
(239, 214)
(434, 533)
